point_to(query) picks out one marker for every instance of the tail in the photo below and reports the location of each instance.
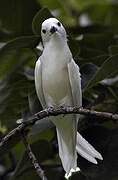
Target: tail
(86, 150)
(66, 127)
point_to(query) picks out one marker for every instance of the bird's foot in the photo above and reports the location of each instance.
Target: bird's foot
(67, 175)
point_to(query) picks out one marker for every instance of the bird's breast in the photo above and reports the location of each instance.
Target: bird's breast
(56, 84)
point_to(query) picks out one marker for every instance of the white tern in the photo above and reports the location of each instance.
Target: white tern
(58, 83)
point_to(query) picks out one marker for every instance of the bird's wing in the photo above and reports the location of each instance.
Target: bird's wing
(38, 82)
(85, 149)
(75, 82)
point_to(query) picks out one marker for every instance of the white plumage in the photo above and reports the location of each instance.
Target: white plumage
(58, 82)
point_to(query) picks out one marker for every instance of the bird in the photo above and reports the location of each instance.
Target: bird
(58, 83)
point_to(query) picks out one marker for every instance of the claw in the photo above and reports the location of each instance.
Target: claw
(67, 175)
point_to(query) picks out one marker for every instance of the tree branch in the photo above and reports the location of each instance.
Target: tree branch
(33, 159)
(54, 112)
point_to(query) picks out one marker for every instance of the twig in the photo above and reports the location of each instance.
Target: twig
(53, 112)
(70, 110)
(33, 159)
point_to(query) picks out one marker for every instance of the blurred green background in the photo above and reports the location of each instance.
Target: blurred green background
(92, 27)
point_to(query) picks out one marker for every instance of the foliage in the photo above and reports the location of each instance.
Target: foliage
(92, 27)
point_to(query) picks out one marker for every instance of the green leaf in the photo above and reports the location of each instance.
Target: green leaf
(16, 101)
(13, 59)
(51, 4)
(42, 15)
(100, 41)
(83, 5)
(113, 49)
(74, 47)
(21, 42)
(87, 72)
(42, 151)
(13, 141)
(107, 69)
(16, 52)
(105, 14)
(27, 174)
(97, 60)
(14, 85)
(16, 16)
(90, 52)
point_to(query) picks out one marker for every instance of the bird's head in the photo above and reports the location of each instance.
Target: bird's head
(52, 28)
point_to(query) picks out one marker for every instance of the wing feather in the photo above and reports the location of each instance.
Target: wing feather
(83, 147)
(38, 82)
(75, 82)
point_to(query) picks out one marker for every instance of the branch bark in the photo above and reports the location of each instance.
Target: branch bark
(55, 112)
(32, 158)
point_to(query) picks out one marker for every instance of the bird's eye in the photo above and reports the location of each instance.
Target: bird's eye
(59, 24)
(44, 31)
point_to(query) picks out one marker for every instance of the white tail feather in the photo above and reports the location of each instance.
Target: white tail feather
(86, 150)
(85, 155)
(66, 133)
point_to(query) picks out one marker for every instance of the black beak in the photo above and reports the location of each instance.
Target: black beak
(53, 29)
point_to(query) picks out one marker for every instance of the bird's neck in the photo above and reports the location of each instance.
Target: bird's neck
(57, 48)
(56, 42)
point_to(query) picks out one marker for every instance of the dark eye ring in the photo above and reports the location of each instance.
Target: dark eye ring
(44, 31)
(59, 24)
